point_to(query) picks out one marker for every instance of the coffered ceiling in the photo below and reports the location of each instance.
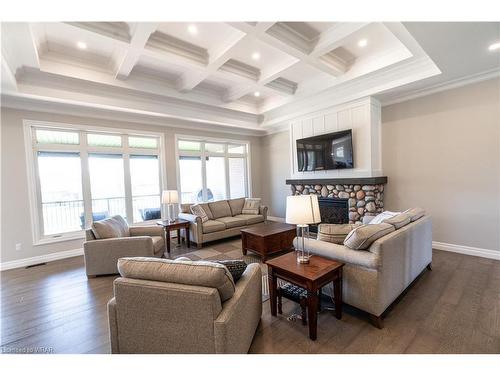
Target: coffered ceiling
(251, 75)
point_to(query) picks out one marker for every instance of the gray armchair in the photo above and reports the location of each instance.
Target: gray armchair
(101, 255)
(171, 306)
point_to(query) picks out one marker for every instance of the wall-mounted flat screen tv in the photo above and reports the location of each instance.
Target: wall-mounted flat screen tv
(324, 152)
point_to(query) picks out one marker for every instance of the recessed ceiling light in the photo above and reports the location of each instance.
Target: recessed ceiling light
(494, 46)
(193, 29)
(256, 94)
(362, 43)
(255, 55)
(81, 45)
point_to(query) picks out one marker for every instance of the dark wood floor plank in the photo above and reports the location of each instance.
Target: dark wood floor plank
(453, 309)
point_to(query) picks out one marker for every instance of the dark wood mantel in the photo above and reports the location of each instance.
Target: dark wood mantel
(339, 181)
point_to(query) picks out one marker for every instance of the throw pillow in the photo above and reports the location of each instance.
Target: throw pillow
(197, 210)
(415, 213)
(251, 206)
(112, 227)
(362, 237)
(383, 216)
(235, 267)
(398, 221)
(335, 233)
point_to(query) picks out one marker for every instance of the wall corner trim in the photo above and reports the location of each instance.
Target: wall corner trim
(19, 263)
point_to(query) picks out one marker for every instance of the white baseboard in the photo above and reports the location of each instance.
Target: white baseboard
(276, 218)
(40, 259)
(467, 250)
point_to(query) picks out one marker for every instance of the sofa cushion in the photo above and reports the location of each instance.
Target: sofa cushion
(382, 216)
(198, 210)
(220, 209)
(398, 221)
(362, 237)
(200, 273)
(236, 205)
(335, 233)
(251, 219)
(232, 222)
(211, 226)
(112, 227)
(415, 213)
(251, 206)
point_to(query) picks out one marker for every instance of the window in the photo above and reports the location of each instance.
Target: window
(85, 176)
(210, 171)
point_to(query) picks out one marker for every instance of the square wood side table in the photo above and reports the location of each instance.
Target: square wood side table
(312, 277)
(170, 225)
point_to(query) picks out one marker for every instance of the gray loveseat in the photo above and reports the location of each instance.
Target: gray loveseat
(225, 220)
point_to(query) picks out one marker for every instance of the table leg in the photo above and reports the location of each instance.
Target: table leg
(167, 238)
(312, 311)
(273, 282)
(179, 236)
(186, 231)
(337, 295)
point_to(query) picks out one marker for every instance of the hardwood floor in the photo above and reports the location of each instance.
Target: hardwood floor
(453, 309)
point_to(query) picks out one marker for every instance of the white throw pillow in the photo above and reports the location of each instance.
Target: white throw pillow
(383, 216)
(197, 210)
(251, 206)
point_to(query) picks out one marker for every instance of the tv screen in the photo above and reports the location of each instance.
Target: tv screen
(324, 152)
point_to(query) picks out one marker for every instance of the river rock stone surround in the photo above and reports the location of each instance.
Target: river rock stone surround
(363, 199)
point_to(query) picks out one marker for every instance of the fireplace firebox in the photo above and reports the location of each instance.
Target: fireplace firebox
(333, 211)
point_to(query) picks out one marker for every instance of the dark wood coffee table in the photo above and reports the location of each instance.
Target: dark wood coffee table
(268, 238)
(312, 277)
(178, 224)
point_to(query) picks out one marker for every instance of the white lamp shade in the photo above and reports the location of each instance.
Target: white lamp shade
(302, 209)
(170, 196)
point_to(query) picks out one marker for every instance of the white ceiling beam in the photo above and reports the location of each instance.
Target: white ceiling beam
(333, 37)
(8, 79)
(217, 58)
(19, 46)
(139, 39)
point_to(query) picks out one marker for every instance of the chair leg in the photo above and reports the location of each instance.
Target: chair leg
(376, 321)
(429, 266)
(199, 245)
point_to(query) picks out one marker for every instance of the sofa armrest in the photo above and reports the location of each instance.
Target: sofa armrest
(342, 253)
(101, 256)
(195, 228)
(113, 326)
(236, 324)
(263, 211)
(190, 217)
(150, 230)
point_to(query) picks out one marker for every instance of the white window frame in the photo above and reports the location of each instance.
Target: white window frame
(32, 148)
(203, 154)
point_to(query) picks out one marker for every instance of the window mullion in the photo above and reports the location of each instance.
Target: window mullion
(86, 190)
(204, 173)
(129, 209)
(226, 166)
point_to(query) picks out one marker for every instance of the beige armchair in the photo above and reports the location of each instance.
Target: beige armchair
(101, 254)
(171, 306)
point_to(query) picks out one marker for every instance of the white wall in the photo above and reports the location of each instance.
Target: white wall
(15, 215)
(363, 117)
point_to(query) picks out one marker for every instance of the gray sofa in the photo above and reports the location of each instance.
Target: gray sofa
(225, 220)
(374, 278)
(101, 254)
(171, 306)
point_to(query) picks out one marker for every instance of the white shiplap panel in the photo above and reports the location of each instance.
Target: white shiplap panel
(307, 128)
(331, 123)
(344, 120)
(318, 125)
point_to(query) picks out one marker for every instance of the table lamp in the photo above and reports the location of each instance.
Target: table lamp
(170, 198)
(302, 210)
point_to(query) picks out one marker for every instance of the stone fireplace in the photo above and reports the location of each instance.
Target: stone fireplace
(364, 197)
